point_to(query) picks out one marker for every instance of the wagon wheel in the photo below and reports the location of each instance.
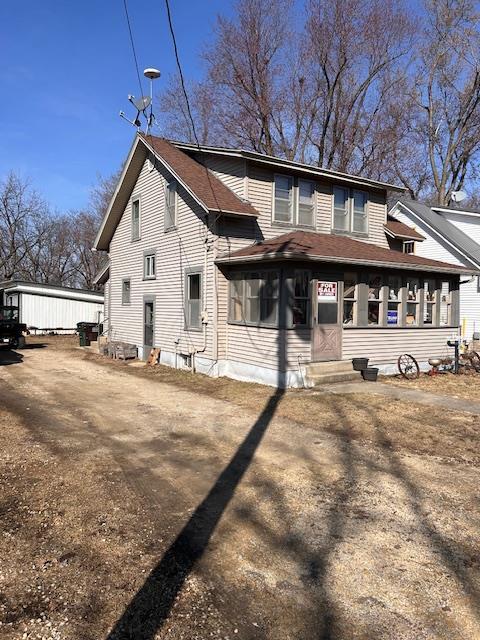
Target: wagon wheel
(408, 366)
(475, 360)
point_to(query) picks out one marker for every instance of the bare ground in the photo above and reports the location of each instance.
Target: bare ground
(152, 504)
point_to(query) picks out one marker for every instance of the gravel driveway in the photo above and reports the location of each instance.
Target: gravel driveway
(285, 531)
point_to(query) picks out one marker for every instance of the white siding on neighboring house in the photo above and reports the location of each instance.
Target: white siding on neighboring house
(436, 248)
(176, 251)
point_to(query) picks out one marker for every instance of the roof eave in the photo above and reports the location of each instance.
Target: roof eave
(292, 255)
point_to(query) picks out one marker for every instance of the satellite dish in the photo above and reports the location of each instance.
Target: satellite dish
(151, 73)
(458, 196)
(141, 103)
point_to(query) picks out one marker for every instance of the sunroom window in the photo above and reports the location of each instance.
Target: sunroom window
(394, 300)
(349, 299)
(301, 298)
(254, 298)
(412, 301)
(445, 304)
(374, 299)
(429, 292)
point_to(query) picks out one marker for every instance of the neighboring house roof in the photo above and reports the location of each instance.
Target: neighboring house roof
(38, 288)
(214, 194)
(433, 218)
(103, 274)
(210, 193)
(301, 167)
(323, 247)
(396, 229)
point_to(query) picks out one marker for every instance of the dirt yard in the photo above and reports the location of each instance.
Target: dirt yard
(153, 504)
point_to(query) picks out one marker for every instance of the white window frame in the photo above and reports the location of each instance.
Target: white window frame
(171, 187)
(350, 211)
(137, 236)
(410, 243)
(148, 273)
(294, 201)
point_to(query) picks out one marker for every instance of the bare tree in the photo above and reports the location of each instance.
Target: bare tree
(22, 223)
(447, 91)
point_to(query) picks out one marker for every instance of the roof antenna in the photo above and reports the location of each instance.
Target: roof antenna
(141, 104)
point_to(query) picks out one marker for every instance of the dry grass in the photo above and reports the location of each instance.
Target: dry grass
(54, 342)
(448, 384)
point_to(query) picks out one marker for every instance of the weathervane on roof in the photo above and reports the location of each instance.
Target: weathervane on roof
(142, 103)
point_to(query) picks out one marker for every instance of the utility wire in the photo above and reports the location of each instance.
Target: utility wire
(133, 47)
(179, 66)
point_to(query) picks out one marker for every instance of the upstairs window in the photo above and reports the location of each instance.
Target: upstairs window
(136, 219)
(283, 209)
(409, 246)
(350, 210)
(294, 201)
(171, 205)
(306, 191)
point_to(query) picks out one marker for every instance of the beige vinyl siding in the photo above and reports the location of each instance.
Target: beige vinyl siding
(270, 348)
(231, 171)
(260, 194)
(377, 217)
(176, 251)
(383, 346)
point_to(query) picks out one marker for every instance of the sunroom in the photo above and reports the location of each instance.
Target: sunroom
(334, 298)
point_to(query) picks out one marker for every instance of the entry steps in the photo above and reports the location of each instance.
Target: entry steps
(319, 373)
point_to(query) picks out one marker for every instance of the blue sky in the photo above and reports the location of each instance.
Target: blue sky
(66, 70)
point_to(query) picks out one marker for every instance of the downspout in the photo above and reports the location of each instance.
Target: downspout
(204, 315)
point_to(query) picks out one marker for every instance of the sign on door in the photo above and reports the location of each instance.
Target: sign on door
(326, 291)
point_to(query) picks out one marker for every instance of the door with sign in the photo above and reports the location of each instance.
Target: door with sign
(326, 328)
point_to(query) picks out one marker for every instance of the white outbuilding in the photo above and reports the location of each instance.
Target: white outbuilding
(46, 307)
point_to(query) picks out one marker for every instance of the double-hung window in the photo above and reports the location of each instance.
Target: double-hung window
(149, 266)
(294, 201)
(350, 210)
(254, 298)
(171, 205)
(136, 219)
(193, 300)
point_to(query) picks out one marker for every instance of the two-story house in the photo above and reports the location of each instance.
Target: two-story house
(451, 235)
(240, 264)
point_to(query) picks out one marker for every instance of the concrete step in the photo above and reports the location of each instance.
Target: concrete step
(332, 366)
(318, 379)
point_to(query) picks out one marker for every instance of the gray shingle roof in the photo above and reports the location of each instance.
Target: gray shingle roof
(460, 240)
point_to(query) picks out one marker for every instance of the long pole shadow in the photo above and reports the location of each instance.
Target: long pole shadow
(151, 605)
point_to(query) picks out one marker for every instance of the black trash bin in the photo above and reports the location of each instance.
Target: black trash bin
(87, 332)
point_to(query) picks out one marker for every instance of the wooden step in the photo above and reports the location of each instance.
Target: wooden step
(331, 366)
(317, 379)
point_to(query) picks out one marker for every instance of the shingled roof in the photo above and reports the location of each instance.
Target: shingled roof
(402, 231)
(323, 247)
(201, 182)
